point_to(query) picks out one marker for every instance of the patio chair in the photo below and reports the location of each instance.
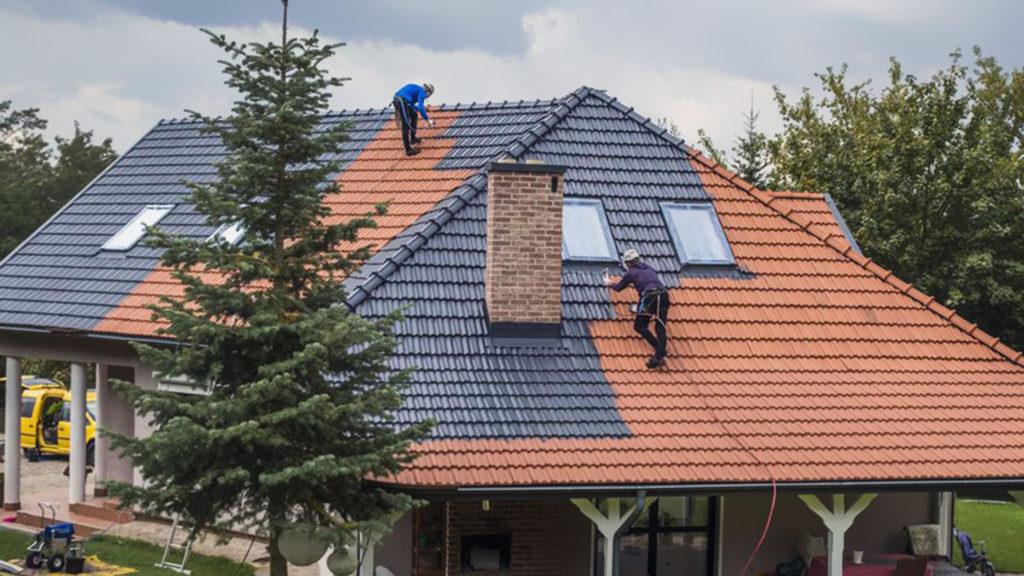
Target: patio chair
(917, 566)
(975, 559)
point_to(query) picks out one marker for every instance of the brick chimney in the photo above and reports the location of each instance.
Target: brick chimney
(523, 278)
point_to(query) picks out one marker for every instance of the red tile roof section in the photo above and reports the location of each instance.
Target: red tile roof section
(823, 365)
(381, 173)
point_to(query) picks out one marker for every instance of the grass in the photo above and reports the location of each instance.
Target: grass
(1001, 525)
(131, 554)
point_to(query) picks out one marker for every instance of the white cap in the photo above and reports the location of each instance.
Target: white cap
(630, 255)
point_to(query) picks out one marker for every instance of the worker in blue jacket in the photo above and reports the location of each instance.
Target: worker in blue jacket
(408, 101)
(652, 306)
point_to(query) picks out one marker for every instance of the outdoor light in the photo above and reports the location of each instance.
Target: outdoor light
(300, 545)
(342, 562)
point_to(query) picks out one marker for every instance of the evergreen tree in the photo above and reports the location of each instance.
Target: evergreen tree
(750, 152)
(300, 399)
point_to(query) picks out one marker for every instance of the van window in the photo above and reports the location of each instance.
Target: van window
(28, 406)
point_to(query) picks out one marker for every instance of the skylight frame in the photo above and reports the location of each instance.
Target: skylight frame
(129, 235)
(677, 240)
(230, 233)
(605, 229)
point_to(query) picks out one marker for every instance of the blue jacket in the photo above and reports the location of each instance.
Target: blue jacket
(414, 94)
(641, 276)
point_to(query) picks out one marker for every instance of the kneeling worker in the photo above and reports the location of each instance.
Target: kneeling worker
(408, 101)
(653, 304)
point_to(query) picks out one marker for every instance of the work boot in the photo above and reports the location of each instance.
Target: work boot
(655, 362)
(411, 151)
(416, 140)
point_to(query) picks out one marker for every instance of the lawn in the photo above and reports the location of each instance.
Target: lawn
(131, 554)
(1001, 525)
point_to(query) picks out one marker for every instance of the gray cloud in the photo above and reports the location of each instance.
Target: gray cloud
(120, 65)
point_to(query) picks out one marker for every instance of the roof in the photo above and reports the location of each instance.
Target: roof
(807, 362)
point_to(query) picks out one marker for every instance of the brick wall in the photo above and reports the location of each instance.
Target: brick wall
(538, 532)
(524, 243)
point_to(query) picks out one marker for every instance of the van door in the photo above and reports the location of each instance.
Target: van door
(64, 429)
(49, 422)
(29, 422)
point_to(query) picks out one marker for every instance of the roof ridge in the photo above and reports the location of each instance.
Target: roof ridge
(846, 249)
(796, 194)
(442, 107)
(387, 260)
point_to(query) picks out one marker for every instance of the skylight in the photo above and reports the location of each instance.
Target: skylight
(128, 236)
(585, 233)
(230, 233)
(697, 233)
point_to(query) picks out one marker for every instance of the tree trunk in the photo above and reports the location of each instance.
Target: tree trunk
(278, 565)
(276, 515)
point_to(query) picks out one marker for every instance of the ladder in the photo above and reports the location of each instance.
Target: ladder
(185, 550)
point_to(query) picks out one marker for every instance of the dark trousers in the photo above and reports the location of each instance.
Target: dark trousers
(406, 116)
(653, 307)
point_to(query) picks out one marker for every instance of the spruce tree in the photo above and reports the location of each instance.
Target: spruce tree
(299, 400)
(750, 152)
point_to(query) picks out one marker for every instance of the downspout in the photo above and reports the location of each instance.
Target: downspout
(641, 498)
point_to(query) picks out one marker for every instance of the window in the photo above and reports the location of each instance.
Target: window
(230, 233)
(28, 406)
(675, 536)
(486, 552)
(585, 233)
(128, 236)
(697, 233)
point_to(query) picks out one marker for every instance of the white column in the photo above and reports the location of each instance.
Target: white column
(945, 523)
(837, 521)
(103, 399)
(12, 436)
(76, 486)
(612, 525)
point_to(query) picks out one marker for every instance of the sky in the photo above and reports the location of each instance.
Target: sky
(119, 66)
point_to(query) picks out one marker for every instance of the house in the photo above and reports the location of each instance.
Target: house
(797, 366)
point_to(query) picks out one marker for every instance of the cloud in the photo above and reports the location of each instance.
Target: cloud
(119, 71)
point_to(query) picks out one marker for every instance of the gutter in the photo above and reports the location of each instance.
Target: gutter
(711, 488)
(86, 334)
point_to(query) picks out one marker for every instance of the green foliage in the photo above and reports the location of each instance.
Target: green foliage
(666, 123)
(750, 153)
(33, 185)
(263, 323)
(928, 174)
(707, 145)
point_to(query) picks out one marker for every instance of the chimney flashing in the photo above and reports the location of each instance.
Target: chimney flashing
(528, 167)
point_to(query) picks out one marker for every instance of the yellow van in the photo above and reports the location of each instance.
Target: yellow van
(46, 422)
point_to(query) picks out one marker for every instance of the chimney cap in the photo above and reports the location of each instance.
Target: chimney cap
(499, 166)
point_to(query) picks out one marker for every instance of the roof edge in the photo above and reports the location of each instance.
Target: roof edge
(711, 488)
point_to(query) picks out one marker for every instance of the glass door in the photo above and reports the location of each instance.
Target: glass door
(673, 537)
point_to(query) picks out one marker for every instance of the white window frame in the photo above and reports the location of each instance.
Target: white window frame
(230, 233)
(135, 230)
(606, 229)
(668, 207)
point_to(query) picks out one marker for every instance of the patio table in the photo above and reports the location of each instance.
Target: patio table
(883, 565)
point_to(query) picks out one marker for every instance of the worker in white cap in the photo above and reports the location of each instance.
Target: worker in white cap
(652, 306)
(410, 100)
